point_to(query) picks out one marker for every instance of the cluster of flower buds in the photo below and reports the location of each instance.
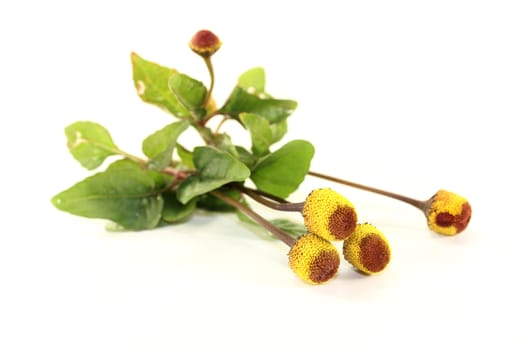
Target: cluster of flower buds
(330, 217)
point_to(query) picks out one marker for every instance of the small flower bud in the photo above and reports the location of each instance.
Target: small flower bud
(205, 43)
(367, 249)
(329, 215)
(314, 259)
(448, 213)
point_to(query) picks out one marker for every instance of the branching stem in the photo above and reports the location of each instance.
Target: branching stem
(256, 217)
(274, 204)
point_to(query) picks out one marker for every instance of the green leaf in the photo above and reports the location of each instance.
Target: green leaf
(161, 180)
(159, 146)
(151, 82)
(241, 101)
(190, 92)
(124, 165)
(186, 156)
(89, 143)
(260, 132)
(293, 228)
(215, 168)
(245, 156)
(281, 172)
(253, 225)
(279, 130)
(253, 79)
(126, 195)
(174, 210)
(224, 143)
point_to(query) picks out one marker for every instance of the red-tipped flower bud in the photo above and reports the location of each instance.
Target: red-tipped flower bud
(448, 213)
(329, 215)
(205, 43)
(314, 259)
(367, 249)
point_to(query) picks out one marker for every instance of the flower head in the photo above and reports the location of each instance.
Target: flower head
(448, 213)
(314, 259)
(329, 215)
(367, 249)
(205, 43)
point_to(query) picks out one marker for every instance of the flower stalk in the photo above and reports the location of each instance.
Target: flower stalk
(312, 258)
(447, 213)
(325, 212)
(414, 202)
(289, 241)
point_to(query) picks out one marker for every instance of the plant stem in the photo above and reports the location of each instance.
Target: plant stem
(132, 157)
(209, 65)
(224, 118)
(277, 205)
(416, 203)
(263, 194)
(256, 217)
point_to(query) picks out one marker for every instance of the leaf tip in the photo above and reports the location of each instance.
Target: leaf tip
(134, 56)
(57, 201)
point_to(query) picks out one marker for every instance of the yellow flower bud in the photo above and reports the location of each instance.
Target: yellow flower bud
(367, 249)
(314, 259)
(205, 43)
(448, 213)
(329, 215)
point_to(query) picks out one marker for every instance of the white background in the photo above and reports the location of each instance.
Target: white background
(408, 96)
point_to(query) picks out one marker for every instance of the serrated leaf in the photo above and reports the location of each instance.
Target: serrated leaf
(190, 92)
(89, 143)
(260, 132)
(174, 211)
(281, 172)
(253, 79)
(242, 101)
(158, 147)
(151, 83)
(215, 168)
(126, 195)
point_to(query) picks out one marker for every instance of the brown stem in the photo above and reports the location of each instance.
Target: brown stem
(256, 217)
(416, 203)
(177, 174)
(263, 194)
(277, 205)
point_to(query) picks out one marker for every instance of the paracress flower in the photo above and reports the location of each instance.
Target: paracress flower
(329, 214)
(448, 213)
(314, 259)
(367, 249)
(205, 43)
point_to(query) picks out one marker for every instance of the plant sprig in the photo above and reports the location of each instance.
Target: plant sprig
(170, 181)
